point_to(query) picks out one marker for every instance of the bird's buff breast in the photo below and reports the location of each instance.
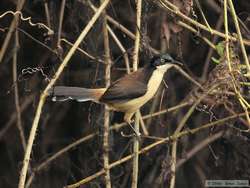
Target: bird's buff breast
(134, 104)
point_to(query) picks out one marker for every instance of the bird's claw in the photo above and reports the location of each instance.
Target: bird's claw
(135, 134)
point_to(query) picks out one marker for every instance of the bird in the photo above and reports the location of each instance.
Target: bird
(127, 94)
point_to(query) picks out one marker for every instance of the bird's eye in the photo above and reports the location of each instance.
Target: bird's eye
(162, 60)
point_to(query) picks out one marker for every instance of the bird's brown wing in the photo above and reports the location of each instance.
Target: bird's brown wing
(126, 88)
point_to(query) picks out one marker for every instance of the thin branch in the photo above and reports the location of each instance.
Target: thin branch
(178, 129)
(190, 28)
(137, 116)
(44, 164)
(126, 60)
(121, 27)
(171, 7)
(44, 94)
(211, 50)
(46, 8)
(37, 24)
(204, 143)
(143, 126)
(238, 94)
(84, 52)
(119, 44)
(15, 83)
(10, 32)
(203, 16)
(106, 112)
(62, 40)
(12, 27)
(59, 32)
(13, 117)
(236, 23)
(36, 40)
(187, 76)
(227, 37)
(155, 144)
(90, 136)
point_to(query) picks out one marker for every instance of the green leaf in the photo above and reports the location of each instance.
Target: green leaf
(220, 48)
(216, 61)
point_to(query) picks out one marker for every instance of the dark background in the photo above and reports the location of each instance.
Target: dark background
(64, 123)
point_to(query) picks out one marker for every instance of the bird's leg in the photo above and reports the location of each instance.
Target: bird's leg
(138, 134)
(127, 118)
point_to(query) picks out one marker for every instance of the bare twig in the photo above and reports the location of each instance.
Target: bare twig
(142, 124)
(15, 83)
(10, 32)
(178, 129)
(90, 136)
(120, 26)
(82, 51)
(12, 27)
(204, 143)
(119, 44)
(45, 93)
(164, 46)
(157, 143)
(13, 116)
(236, 23)
(171, 7)
(106, 112)
(187, 76)
(190, 28)
(46, 8)
(211, 50)
(36, 40)
(239, 96)
(126, 60)
(59, 32)
(203, 15)
(137, 117)
(38, 24)
(227, 37)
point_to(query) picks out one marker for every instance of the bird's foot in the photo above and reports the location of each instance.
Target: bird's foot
(136, 133)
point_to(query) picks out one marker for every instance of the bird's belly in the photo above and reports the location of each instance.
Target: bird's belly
(134, 104)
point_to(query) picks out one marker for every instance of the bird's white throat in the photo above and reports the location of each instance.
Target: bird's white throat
(164, 68)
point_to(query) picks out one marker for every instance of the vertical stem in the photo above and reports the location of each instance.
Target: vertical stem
(163, 49)
(178, 129)
(136, 148)
(226, 33)
(106, 113)
(11, 29)
(240, 98)
(17, 103)
(60, 24)
(26, 159)
(46, 8)
(173, 163)
(236, 23)
(137, 123)
(137, 35)
(119, 44)
(211, 50)
(44, 94)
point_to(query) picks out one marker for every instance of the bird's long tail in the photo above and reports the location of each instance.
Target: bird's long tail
(63, 93)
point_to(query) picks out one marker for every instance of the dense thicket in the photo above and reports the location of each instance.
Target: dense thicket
(39, 56)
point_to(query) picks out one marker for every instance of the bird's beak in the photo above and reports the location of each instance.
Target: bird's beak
(177, 63)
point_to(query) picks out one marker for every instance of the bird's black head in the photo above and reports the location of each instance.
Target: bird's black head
(162, 60)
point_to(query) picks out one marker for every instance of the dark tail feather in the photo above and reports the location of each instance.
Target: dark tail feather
(63, 93)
